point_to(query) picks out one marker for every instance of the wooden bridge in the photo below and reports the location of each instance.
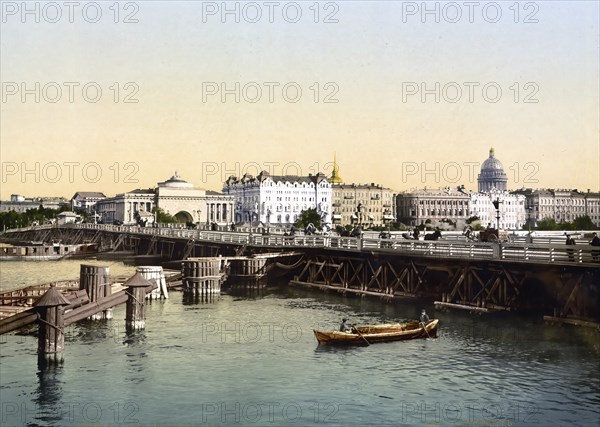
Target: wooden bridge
(551, 279)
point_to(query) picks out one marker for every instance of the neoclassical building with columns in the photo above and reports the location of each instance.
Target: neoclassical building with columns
(174, 196)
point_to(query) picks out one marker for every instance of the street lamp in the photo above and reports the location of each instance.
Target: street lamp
(497, 206)
(359, 213)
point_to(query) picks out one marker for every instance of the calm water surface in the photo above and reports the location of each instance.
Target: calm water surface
(253, 360)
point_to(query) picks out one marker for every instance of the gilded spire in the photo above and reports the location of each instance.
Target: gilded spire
(335, 175)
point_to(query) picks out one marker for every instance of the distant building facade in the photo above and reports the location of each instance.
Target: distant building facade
(21, 204)
(174, 196)
(426, 206)
(561, 205)
(86, 200)
(67, 217)
(456, 206)
(274, 199)
(511, 210)
(366, 205)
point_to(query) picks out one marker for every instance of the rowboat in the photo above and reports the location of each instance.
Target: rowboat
(368, 334)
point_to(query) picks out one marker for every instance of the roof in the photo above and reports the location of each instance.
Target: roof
(371, 186)
(137, 281)
(264, 175)
(90, 194)
(52, 298)
(176, 182)
(142, 191)
(67, 213)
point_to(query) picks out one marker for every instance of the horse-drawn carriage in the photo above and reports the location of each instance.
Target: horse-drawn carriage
(493, 235)
(487, 235)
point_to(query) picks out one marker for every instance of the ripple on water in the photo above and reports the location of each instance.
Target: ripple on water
(194, 355)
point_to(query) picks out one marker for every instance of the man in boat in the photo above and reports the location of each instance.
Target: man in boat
(424, 317)
(344, 327)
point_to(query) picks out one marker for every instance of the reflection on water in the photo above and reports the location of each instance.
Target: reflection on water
(49, 392)
(208, 360)
(135, 355)
(195, 298)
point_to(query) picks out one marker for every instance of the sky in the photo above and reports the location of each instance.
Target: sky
(111, 96)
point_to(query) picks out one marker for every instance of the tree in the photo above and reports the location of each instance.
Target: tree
(162, 216)
(547, 224)
(584, 223)
(307, 217)
(472, 219)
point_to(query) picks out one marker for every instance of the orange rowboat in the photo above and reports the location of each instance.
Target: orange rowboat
(369, 334)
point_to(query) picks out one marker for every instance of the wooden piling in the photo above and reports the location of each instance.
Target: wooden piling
(155, 273)
(135, 311)
(51, 336)
(95, 280)
(202, 275)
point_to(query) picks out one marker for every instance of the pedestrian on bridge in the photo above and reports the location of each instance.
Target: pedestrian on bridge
(595, 242)
(570, 242)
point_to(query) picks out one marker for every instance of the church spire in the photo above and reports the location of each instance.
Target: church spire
(335, 175)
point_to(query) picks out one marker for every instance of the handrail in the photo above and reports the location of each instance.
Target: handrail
(536, 252)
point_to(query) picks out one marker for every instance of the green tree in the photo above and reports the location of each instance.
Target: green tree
(162, 216)
(547, 224)
(472, 219)
(584, 223)
(307, 217)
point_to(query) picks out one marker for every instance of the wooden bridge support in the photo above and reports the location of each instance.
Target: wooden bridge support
(51, 337)
(482, 287)
(96, 282)
(135, 310)
(369, 276)
(156, 274)
(202, 275)
(475, 286)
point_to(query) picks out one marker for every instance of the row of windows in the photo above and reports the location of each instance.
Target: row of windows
(442, 202)
(361, 201)
(287, 208)
(352, 210)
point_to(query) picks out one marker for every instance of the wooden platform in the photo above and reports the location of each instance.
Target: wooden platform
(572, 321)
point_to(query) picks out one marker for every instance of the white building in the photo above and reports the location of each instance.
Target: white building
(562, 205)
(67, 217)
(86, 200)
(279, 200)
(434, 206)
(174, 196)
(511, 210)
(21, 204)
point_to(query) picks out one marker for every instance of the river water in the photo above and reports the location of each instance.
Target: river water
(252, 360)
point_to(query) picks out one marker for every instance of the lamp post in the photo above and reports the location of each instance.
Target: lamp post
(497, 206)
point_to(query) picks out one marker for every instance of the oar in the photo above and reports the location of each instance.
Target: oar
(425, 329)
(360, 335)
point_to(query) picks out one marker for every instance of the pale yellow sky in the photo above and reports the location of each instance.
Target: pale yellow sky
(381, 63)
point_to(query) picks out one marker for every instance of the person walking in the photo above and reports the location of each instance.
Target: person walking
(596, 243)
(570, 242)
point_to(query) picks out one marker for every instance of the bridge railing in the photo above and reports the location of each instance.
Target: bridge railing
(511, 251)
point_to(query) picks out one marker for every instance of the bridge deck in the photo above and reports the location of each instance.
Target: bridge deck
(521, 252)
